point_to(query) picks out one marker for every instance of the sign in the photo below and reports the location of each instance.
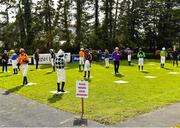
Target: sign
(75, 57)
(82, 89)
(46, 58)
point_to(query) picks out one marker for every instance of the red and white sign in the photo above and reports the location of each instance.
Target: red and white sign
(82, 89)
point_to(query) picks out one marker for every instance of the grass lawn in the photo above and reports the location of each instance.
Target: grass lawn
(108, 102)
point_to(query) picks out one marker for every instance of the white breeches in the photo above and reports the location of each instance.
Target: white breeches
(14, 64)
(106, 62)
(141, 61)
(129, 58)
(163, 59)
(61, 75)
(87, 66)
(81, 60)
(52, 61)
(24, 68)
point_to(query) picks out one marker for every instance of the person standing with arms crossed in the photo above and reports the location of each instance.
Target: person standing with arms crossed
(5, 59)
(141, 56)
(36, 56)
(116, 55)
(23, 60)
(53, 57)
(163, 55)
(175, 55)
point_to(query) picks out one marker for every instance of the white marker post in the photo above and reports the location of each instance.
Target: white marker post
(82, 92)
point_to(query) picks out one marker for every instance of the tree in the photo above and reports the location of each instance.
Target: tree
(83, 26)
(125, 23)
(62, 20)
(6, 25)
(26, 5)
(96, 25)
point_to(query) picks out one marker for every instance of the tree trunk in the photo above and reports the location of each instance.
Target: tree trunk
(115, 20)
(66, 22)
(78, 23)
(28, 22)
(96, 15)
(21, 26)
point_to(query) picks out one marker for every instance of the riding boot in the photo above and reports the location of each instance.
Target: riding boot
(88, 74)
(24, 81)
(16, 71)
(139, 68)
(84, 74)
(58, 87)
(53, 68)
(62, 88)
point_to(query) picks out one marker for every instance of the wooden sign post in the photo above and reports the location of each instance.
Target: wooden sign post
(81, 92)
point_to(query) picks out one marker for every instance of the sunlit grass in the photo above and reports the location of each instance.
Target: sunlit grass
(108, 102)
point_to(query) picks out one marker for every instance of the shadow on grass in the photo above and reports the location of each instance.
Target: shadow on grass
(55, 98)
(44, 66)
(132, 65)
(68, 67)
(12, 90)
(32, 70)
(119, 75)
(50, 72)
(145, 72)
(7, 75)
(88, 79)
(81, 71)
(169, 69)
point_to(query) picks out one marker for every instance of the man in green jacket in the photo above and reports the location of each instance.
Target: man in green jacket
(140, 56)
(163, 55)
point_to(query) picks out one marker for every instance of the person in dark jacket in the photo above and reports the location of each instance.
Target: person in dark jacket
(175, 55)
(5, 59)
(116, 55)
(53, 57)
(36, 56)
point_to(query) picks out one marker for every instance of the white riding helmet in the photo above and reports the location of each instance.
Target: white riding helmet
(116, 48)
(163, 48)
(60, 52)
(51, 50)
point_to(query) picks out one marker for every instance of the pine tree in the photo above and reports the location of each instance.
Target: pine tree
(26, 7)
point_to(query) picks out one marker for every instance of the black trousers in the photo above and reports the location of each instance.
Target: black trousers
(37, 64)
(4, 66)
(175, 61)
(116, 66)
